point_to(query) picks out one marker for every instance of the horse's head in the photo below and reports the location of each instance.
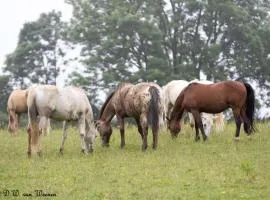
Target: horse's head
(174, 127)
(91, 135)
(207, 121)
(105, 131)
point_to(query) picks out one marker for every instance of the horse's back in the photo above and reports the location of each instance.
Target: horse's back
(60, 103)
(134, 99)
(214, 97)
(173, 89)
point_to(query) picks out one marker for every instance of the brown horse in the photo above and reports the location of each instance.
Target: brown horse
(215, 98)
(142, 101)
(15, 106)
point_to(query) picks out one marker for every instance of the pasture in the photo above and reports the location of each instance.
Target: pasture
(179, 169)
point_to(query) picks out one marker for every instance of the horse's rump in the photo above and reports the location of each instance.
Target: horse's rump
(17, 101)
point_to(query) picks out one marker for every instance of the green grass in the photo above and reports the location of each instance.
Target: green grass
(179, 169)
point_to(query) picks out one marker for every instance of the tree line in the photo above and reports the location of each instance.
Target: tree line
(150, 40)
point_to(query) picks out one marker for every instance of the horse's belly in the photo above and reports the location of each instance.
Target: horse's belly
(214, 109)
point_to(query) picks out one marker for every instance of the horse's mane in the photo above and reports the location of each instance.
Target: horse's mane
(105, 104)
(110, 96)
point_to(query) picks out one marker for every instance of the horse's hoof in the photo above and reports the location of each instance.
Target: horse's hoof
(106, 145)
(205, 139)
(144, 148)
(122, 146)
(197, 139)
(236, 139)
(39, 153)
(29, 154)
(90, 151)
(83, 150)
(154, 147)
(61, 151)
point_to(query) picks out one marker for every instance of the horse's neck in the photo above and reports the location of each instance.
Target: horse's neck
(177, 113)
(108, 112)
(178, 109)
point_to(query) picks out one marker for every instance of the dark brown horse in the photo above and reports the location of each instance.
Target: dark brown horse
(142, 101)
(215, 98)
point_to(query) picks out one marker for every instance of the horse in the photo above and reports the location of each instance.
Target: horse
(63, 104)
(215, 98)
(143, 101)
(171, 91)
(208, 120)
(16, 105)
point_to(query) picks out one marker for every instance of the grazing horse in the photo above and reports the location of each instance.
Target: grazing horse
(172, 90)
(63, 104)
(17, 104)
(208, 120)
(215, 98)
(142, 101)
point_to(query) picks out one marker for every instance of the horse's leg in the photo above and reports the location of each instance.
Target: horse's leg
(18, 121)
(198, 125)
(144, 124)
(64, 137)
(122, 130)
(81, 124)
(12, 122)
(238, 122)
(34, 139)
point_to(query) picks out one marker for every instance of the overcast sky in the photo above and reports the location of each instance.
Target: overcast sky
(14, 13)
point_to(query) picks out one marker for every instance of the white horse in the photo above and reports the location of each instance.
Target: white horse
(170, 92)
(64, 104)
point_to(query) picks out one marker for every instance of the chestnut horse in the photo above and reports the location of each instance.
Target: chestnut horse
(215, 98)
(143, 101)
(15, 106)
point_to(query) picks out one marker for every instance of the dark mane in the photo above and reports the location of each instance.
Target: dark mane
(105, 104)
(110, 96)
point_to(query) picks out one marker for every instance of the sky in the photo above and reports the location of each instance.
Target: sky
(14, 13)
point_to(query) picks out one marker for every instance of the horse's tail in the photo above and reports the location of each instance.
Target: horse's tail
(155, 113)
(250, 109)
(33, 119)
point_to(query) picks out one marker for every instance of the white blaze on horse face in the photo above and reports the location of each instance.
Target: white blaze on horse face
(207, 120)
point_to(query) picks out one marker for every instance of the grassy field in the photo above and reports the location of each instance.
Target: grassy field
(179, 169)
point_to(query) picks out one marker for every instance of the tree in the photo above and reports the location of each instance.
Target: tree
(134, 40)
(39, 52)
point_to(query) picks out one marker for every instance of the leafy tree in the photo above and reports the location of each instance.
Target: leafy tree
(133, 40)
(39, 52)
(5, 89)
